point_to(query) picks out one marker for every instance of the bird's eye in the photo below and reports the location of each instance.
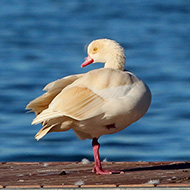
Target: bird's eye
(95, 49)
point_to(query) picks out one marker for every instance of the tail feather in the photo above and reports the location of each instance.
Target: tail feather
(55, 125)
(43, 132)
(45, 116)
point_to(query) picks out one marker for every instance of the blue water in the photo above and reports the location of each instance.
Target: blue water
(41, 41)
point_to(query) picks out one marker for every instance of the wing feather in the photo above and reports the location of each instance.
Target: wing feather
(79, 103)
(53, 89)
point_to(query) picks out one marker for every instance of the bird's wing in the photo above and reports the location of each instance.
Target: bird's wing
(78, 103)
(53, 89)
(83, 99)
(61, 83)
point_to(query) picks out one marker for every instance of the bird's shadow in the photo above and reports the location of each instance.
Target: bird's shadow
(171, 166)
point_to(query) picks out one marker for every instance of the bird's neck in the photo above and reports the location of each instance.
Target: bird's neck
(117, 62)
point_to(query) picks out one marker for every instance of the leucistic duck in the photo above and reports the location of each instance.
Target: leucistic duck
(102, 101)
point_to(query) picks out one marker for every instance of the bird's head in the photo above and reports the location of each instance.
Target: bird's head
(106, 51)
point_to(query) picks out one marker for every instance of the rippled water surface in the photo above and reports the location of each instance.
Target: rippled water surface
(41, 41)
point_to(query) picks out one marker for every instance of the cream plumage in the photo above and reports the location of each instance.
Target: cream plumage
(102, 101)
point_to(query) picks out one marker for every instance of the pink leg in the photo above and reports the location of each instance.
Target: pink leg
(98, 167)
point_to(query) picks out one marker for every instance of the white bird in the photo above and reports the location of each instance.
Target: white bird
(102, 101)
